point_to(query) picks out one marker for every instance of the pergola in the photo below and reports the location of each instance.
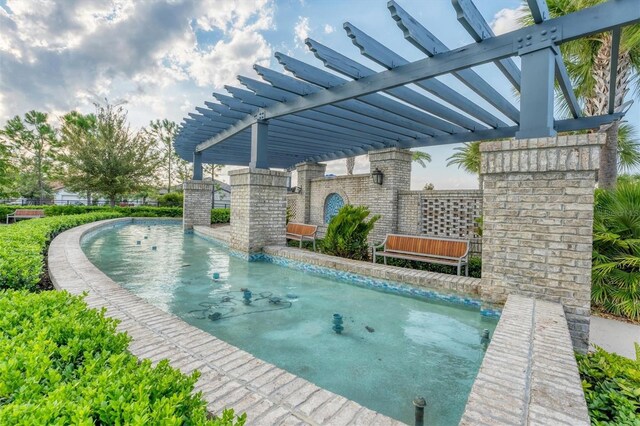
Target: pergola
(316, 115)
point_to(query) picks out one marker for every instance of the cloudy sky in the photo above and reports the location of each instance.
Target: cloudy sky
(166, 57)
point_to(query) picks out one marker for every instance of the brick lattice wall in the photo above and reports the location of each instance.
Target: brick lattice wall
(538, 216)
(258, 209)
(197, 203)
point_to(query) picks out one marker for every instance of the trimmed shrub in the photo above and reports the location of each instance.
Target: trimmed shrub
(616, 251)
(172, 199)
(220, 215)
(23, 245)
(348, 231)
(139, 211)
(611, 385)
(62, 363)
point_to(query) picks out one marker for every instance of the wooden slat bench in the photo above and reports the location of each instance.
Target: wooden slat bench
(444, 251)
(25, 214)
(302, 232)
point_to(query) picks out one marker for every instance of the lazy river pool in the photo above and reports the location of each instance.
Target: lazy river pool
(392, 349)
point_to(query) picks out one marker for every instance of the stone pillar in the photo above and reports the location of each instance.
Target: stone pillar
(307, 172)
(198, 196)
(258, 209)
(538, 218)
(395, 164)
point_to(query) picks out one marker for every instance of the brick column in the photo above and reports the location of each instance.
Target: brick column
(538, 218)
(258, 209)
(395, 164)
(196, 210)
(307, 172)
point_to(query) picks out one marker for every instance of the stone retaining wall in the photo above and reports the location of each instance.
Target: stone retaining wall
(529, 374)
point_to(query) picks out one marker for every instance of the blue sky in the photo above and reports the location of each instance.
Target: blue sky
(166, 57)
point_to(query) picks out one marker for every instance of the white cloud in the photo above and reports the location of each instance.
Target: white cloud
(507, 20)
(328, 29)
(301, 30)
(58, 56)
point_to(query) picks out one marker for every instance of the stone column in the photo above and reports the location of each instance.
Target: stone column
(198, 196)
(395, 164)
(258, 209)
(307, 172)
(538, 218)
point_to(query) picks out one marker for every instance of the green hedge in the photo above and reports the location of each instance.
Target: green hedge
(220, 215)
(22, 246)
(62, 363)
(217, 215)
(611, 386)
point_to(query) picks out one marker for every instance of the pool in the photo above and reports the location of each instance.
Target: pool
(392, 349)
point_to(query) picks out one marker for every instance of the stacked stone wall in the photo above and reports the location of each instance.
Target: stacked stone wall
(538, 216)
(197, 203)
(258, 209)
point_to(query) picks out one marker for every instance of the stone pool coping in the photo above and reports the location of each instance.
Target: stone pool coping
(230, 377)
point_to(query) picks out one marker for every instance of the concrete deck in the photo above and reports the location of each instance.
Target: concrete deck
(615, 336)
(231, 378)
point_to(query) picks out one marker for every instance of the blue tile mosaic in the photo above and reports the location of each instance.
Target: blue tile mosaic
(332, 204)
(361, 280)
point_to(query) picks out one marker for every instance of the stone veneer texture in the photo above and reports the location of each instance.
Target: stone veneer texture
(197, 203)
(538, 216)
(529, 374)
(258, 209)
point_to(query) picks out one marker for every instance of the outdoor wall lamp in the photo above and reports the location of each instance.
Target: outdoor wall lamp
(377, 176)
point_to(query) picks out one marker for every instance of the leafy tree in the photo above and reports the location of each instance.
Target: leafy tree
(7, 170)
(35, 144)
(184, 170)
(77, 130)
(467, 158)
(429, 187)
(114, 159)
(588, 64)
(163, 133)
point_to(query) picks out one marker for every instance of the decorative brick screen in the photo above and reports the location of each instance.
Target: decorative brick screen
(294, 205)
(452, 214)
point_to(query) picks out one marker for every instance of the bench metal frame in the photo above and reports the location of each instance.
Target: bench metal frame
(300, 237)
(459, 262)
(17, 216)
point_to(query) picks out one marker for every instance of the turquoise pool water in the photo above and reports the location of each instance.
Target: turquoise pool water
(393, 348)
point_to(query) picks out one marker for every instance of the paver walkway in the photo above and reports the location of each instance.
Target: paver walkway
(230, 377)
(614, 336)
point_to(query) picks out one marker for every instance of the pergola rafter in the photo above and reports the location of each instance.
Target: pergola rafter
(316, 115)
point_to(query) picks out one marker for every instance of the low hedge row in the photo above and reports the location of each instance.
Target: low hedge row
(23, 245)
(611, 386)
(62, 363)
(217, 215)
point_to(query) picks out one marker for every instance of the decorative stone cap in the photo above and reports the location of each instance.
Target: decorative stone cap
(315, 167)
(561, 153)
(198, 185)
(390, 154)
(264, 177)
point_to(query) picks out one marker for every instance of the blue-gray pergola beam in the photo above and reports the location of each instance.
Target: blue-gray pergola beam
(252, 100)
(430, 45)
(299, 87)
(377, 52)
(536, 99)
(350, 68)
(472, 21)
(613, 68)
(333, 114)
(602, 17)
(540, 13)
(197, 165)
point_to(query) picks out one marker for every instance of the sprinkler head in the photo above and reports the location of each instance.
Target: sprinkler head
(419, 402)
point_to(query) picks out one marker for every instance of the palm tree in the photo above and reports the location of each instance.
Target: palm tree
(467, 158)
(587, 61)
(421, 158)
(351, 162)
